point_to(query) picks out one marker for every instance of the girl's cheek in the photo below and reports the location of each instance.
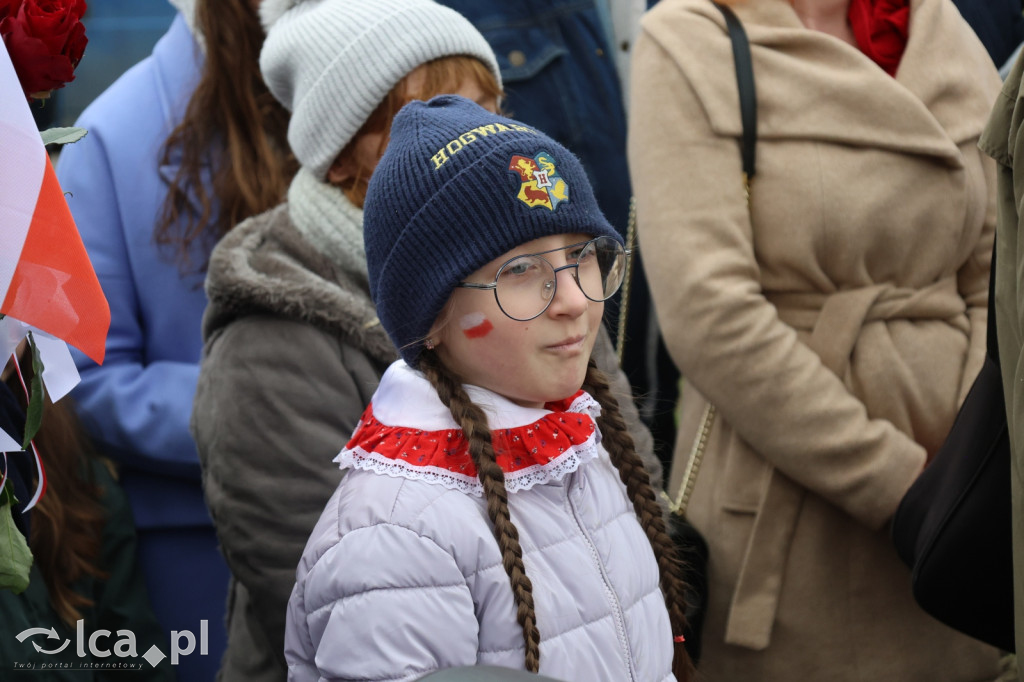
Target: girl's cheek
(475, 325)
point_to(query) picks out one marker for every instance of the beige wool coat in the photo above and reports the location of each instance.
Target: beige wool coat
(836, 325)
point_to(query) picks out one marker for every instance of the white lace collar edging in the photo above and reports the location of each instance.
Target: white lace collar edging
(407, 432)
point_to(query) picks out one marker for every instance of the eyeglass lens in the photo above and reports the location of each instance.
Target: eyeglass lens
(526, 285)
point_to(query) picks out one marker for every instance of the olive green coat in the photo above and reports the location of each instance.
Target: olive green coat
(1005, 143)
(835, 325)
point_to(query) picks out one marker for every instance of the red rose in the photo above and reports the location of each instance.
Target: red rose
(45, 39)
(8, 7)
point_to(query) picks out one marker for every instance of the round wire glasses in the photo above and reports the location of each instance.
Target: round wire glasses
(525, 285)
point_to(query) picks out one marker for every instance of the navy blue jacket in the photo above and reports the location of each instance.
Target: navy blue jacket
(999, 24)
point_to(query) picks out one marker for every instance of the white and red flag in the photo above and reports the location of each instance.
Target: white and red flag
(46, 278)
(47, 283)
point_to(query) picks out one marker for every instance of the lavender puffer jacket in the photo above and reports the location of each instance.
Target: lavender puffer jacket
(402, 575)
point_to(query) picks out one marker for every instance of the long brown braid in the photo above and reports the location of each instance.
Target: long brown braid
(621, 450)
(474, 426)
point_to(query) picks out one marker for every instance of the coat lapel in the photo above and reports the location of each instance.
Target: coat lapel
(821, 78)
(168, 171)
(951, 89)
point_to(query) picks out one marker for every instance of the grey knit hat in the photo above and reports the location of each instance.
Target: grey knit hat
(332, 62)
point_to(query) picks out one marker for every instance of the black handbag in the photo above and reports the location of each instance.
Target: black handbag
(953, 527)
(691, 546)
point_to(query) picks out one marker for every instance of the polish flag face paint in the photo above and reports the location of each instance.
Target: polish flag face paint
(475, 325)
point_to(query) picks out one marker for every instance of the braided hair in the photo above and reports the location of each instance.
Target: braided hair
(473, 422)
(622, 452)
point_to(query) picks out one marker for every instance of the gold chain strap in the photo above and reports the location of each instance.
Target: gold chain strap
(693, 462)
(708, 419)
(627, 281)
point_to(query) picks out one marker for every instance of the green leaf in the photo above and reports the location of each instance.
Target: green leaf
(62, 135)
(7, 495)
(15, 556)
(34, 413)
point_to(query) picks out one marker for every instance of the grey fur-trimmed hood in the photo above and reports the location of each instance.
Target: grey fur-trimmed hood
(265, 266)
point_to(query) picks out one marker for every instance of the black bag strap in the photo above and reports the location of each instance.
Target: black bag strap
(745, 84)
(748, 152)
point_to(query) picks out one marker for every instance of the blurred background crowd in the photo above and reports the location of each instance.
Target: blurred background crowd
(818, 408)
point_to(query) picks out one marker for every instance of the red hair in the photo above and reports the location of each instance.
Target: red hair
(443, 75)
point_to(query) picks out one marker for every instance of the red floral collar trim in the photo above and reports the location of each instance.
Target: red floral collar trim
(543, 451)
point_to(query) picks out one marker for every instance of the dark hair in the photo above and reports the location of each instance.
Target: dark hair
(234, 126)
(67, 522)
(473, 422)
(442, 75)
(622, 452)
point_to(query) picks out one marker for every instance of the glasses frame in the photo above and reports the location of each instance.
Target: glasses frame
(493, 286)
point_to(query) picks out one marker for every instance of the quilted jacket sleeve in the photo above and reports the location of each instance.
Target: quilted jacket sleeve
(275, 405)
(383, 603)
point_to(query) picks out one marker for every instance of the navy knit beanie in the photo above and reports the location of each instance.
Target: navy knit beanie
(457, 187)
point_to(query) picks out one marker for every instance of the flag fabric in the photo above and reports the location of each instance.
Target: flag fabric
(46, 278)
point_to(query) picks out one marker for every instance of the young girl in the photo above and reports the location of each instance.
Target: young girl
(292, 351)
(494, 513)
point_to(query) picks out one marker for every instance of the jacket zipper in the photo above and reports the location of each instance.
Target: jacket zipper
(617, 614)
